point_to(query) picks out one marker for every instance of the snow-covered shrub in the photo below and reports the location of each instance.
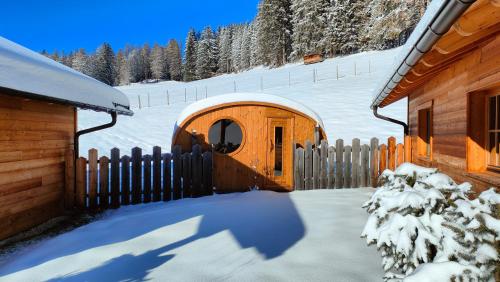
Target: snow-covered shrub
(423, 222)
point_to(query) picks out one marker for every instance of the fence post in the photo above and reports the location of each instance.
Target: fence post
(331, 167)
(81, 183)
(374, 162)
(308, 164)
(365, 166)
(168, 98)
(104, 182)
(115, 178)
(92, 179)
(383, 158)
(177, 161)
(314, 75)
(407, 148)
(186, 176)
(196, 94)
(125, 180)
(139, 97)
(167, 177)
(316, 168)
(356, 150)
(197, 171)
(324, 164)
(289, 79)
(206, 92)
(156, 174)
(147, 179)
(337, 72)
(339, 166)
(391, 143)
(234, 82)
(149, 101)
(299, 169)
(347, 162)
(185, 95)
(399, 154)
(207, 173)
(136, 175)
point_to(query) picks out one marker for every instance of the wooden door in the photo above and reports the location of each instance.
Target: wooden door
(279, 154)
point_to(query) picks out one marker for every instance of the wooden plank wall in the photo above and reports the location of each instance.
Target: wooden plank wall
(346, 166)
(110, 183)
(35, 138)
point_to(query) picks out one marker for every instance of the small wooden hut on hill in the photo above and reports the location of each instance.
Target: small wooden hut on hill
(253, 136)
(38, 133)
(450, 72)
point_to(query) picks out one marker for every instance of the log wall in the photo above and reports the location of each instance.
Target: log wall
(35, 138)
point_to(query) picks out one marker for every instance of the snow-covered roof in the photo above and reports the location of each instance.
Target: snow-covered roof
(247, 98)
(436, 21)
(24, 72)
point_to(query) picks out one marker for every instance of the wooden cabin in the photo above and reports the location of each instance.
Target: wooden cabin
(38, 122)
(313, 59)
(450, 73)
(253, 137)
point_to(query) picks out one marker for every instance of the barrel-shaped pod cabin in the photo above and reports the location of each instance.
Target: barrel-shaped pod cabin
(38, 122)
(253, 137)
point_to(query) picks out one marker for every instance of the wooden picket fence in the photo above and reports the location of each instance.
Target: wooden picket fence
(346, 166)
(122, 180)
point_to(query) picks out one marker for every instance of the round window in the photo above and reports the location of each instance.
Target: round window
(225, 136)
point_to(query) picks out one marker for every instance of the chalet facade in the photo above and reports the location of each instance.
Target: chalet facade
(39, 135)
(450, 73)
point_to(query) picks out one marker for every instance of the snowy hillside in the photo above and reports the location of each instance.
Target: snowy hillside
(342, 103)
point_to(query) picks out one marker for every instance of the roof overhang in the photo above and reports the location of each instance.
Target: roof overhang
(28, 74)
(447, 30)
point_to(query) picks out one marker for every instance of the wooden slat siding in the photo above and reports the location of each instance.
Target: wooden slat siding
(324, 164)
(407, 145)
(177, 162)
(136, 175)
(186, 176)
(365, 165)
(400, 155)
(103, 182)
(347, 171)
(374, 161)
(197, 171)
(156, 174)
(301, 177)
(115, 178)
(356, 151)
(125, 183)
(207, 173)
(331, 167)
(316, 168)
(92, 191)
(308, 166)
(383, 158)
(147, 179)
(69, 180)
(339, 164)
(167, 177)
(391, 158)
(81, 183)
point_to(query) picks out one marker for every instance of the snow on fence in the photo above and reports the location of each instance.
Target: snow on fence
(349, 166)
(122, 180)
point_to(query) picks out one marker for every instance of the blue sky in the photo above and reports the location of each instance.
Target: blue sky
(71, 24)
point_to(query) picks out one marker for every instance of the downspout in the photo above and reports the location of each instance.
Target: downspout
(377, 115)
(92, 129)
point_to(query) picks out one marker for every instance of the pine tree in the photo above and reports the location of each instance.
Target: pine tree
(236, 47)
(255, 55)
(225, 50)
(274, 31)
(80, 61)
(122, 69)
(245, 47)
(159, 69)
(104, 64)
(174, 61)
(190, 57)
(136, 67)
(206, 54)
(310, 24)
(346, 19)
(145, 61)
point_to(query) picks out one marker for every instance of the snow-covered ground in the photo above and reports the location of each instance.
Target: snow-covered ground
(342, 103)
(253, 236)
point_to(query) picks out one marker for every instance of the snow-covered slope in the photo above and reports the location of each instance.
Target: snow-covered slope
(343, 104)
(254, 236)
